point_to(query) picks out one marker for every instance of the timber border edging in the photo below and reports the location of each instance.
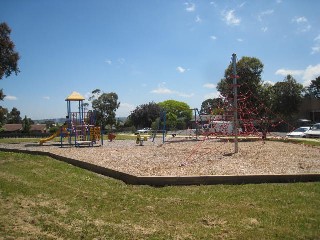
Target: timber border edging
(160, 181)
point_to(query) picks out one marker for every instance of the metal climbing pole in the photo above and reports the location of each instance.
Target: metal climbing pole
(164, 126)
(235, 102)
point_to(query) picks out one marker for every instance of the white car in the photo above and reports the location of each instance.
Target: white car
(314, 131)
(299, 132)
(144, 130)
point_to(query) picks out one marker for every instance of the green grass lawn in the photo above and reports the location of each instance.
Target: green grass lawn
(42, 198)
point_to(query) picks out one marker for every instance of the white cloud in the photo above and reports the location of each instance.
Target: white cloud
(316, 47)
(302, 23)
(242, 4)
(213, 3)
(285, 72)
(164, 91)
(265, 13)
(87, 95)
(300, 19)
(108, 61)
(181, 69)
(121, 60)
(230, 18)
(264, 29)
(269, 82)
(125, 109)
(11, 98)
(213, 37)
(308, 74)
(239, 39)
(198, 19)
(211, 95)
(46, 97)
(190, 7)
(209, 85)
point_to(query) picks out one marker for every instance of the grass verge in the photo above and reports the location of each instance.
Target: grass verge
(46, 199)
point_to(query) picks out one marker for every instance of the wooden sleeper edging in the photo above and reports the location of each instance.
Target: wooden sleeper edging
(160, 181)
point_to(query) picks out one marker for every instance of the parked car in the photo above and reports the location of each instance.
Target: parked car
(314, 131)
(299, 132)
(144, 130)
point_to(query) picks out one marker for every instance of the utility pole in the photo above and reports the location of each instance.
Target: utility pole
(235, 102)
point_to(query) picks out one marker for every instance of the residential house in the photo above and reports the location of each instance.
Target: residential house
(310, 109)
(17, 128)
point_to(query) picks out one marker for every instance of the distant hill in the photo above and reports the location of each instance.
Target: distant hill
(122, 119)
(56, 120)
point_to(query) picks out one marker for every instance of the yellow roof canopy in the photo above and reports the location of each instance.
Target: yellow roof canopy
(75, 96)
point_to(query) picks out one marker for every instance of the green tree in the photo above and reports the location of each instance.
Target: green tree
(8, 56)
(249, 81)
(144, 115)
(14, 116)
(178, 113)
(106, 105)
(3, 115)
(26, 124)
(286, 97)
(313, 90)
(211, 105)
(2, 95)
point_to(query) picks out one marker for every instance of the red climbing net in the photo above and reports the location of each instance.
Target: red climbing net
(254, 117)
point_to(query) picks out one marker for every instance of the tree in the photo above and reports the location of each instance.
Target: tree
(249, 81)
(314, 88)
(286, 97)
(14, 116)
(211, 105)
(8, 56)
(2, 96)
(26, 124)
(106, 105)
(178, 113)
(3, 115)
(144, 115)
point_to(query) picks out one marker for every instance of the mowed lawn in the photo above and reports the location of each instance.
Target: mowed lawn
(42, 198)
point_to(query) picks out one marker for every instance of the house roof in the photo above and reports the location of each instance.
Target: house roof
(37, 127)
(75, 96)
(12, 127)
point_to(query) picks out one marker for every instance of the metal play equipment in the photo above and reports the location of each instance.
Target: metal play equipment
(162, 123)
(80, 126)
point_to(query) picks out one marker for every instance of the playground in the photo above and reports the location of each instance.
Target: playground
(80, 126)
(218, 150)
(222, 148)
(191, 158)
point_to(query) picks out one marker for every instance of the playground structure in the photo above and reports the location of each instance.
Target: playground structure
(238, 116)
(80, 126)
(140, 139)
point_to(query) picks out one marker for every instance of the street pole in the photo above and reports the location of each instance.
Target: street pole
(235, 102)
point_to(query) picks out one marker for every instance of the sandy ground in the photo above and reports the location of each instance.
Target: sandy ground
(189, 158)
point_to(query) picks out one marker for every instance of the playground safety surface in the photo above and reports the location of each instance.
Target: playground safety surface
(190, 158)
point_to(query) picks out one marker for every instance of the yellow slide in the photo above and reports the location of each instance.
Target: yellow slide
(56, 134)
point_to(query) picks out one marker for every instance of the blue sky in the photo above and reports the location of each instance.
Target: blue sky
(151, 50)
